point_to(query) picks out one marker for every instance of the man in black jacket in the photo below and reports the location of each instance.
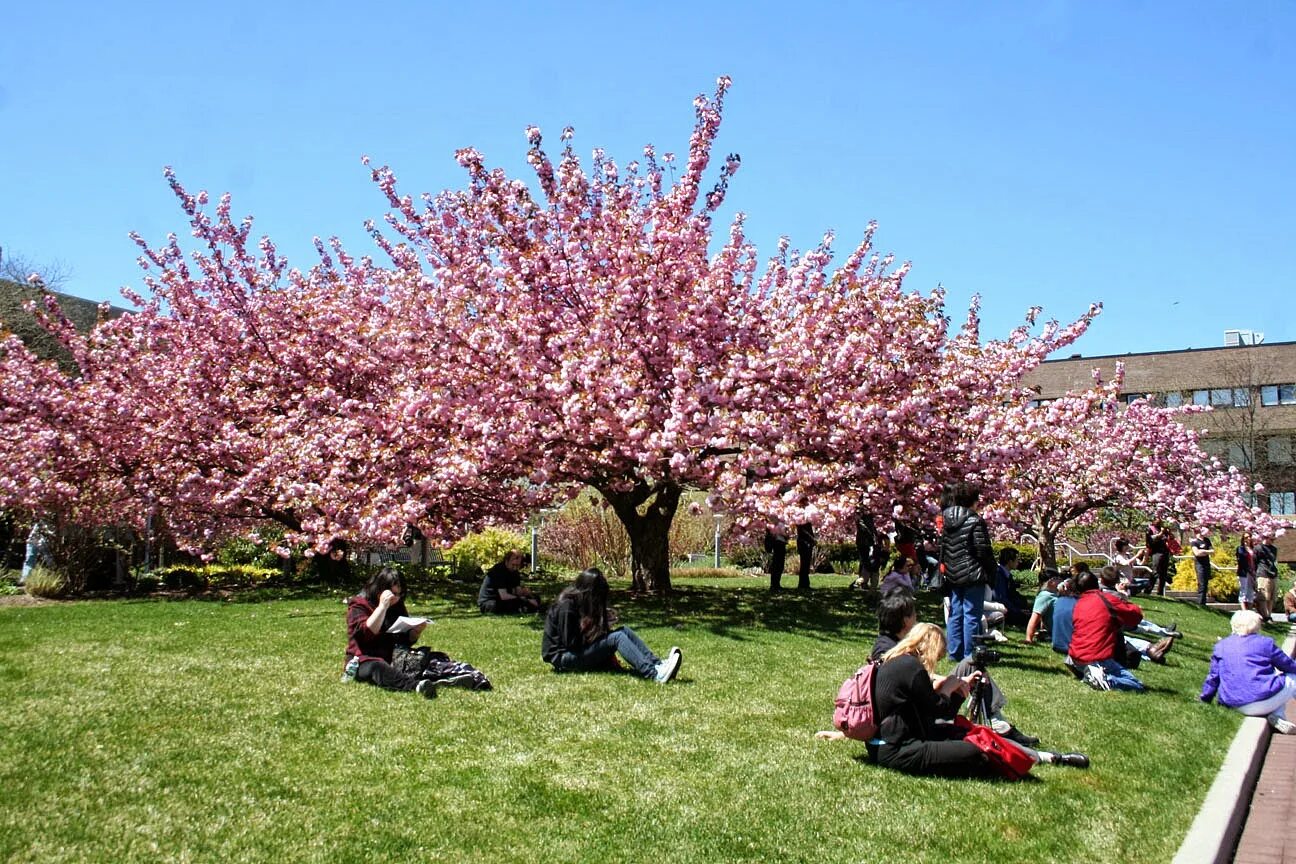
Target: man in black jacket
(968, 565)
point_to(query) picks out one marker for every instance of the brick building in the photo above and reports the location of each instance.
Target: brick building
(1252, 388)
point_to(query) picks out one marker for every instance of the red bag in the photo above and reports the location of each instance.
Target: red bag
(1173, 545)
(1008, 759)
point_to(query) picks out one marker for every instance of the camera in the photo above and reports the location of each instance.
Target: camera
(981, 655)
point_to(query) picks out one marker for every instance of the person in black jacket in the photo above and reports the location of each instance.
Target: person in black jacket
(910, 703)
(579, 636)
(967, 564)
(805, 546)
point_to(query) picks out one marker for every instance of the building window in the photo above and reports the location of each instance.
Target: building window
(1173, 399)
(1241, 397)
(1131, 398)
(1201, 397)
(1278, 394)
(1280, 450)
(1239, 455)
(1282, 503)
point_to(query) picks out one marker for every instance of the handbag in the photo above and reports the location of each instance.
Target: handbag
(1009, 761)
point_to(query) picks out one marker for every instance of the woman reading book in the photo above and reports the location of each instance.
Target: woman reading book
(370, 616)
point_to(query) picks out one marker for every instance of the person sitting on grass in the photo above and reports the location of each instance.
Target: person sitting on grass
(1251, 674)
(369, 647)
(502, 592)
(913, 707)
(1113, 582)
(901, 576)
(1004, 588)
(1097, 644)
(1042, 608)
(897, 615)
(579, 635)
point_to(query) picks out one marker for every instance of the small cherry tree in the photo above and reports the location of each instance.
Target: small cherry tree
(1086, 451)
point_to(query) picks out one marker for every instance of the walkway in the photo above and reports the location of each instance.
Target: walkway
(1265, 837)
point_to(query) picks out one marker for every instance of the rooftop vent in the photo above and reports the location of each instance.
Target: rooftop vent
(1234, 338)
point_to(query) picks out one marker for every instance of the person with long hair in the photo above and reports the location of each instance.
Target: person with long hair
(370, 614)
(580, 635)
(911, 702)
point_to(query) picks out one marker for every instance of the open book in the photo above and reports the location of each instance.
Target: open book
(404, 623)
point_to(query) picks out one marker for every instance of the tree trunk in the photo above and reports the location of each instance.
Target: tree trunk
(1048, 547)
(647, 513)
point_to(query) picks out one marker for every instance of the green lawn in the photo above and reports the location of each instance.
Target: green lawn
(200, 730)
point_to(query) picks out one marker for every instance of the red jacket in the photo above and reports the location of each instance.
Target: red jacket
(1095, 635)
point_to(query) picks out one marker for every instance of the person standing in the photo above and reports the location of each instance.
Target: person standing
(865, 537)
(1266, 574)
(1201, 551)
(1246, 573)
(805, 543)
(968, 565)
(776, 557)
(1157, 542)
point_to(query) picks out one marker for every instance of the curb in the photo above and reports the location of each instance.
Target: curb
(1213, 837)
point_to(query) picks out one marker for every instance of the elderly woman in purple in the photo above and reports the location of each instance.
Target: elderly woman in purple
(1251, 674)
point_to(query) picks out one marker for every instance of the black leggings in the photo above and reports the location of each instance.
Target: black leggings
(951, 757)
(386, 676)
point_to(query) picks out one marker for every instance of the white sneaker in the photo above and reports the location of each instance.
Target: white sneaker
(1000, 725)
(1096, 677)
(1283, 727)
(998, 636)
(667, 669)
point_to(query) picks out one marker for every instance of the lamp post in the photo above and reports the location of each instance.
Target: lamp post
(718, 519)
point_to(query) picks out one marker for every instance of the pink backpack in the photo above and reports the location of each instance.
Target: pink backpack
(853, 714)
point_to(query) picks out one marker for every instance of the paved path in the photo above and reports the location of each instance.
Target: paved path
(1268, 836)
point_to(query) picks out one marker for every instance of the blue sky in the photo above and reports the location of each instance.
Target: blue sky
(1141, 153)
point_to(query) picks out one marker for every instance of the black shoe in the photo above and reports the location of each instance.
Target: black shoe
(1075, 760)
(1015, 734)
(1172, 631)
(426, 689)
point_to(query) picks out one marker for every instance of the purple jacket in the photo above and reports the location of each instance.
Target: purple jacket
(1242, 670)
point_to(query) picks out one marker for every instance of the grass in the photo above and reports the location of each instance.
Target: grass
(217, 731)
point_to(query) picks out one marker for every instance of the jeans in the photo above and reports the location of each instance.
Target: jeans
(964, 620)
(1203, 582)
(1119, 677)
(1276, 705)
(598, 654)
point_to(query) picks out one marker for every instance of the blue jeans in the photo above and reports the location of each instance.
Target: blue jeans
(1119, 677)
(598, 654)
(964, 620)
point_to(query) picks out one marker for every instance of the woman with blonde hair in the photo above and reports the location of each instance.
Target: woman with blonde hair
(1251, 674)
(914, 707)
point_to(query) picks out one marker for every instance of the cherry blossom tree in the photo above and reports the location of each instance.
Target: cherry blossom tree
(242, 392)
(1086, 451)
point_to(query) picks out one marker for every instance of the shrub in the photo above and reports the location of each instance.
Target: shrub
(46, 582)
(586, 533)
(258, 552)
(9, 583)
(484, 549)
(1026, 553)
(706, 573)
(199, 577)
(1223, 586)
(745, 556)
